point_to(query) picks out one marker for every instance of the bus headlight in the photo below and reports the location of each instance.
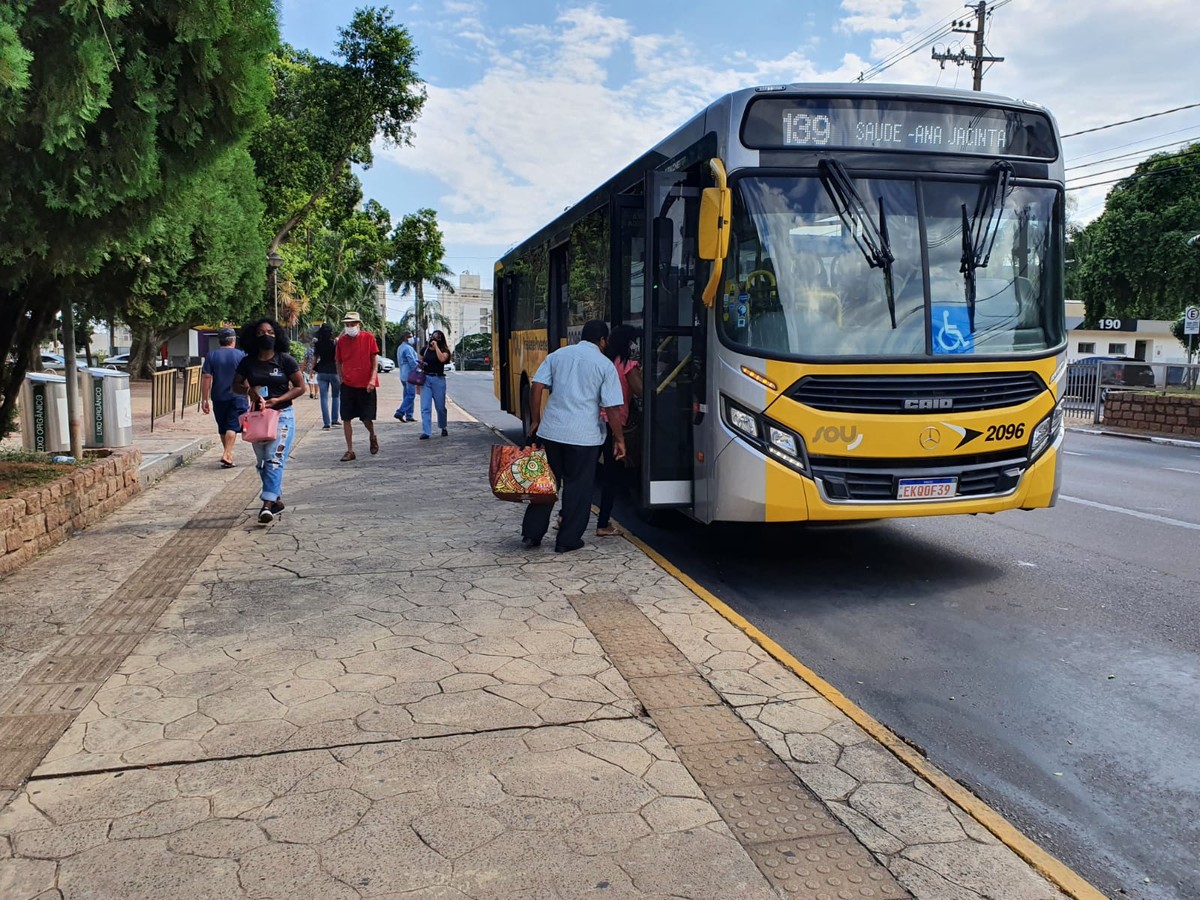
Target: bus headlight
(766, 436)
(743, 421)
(1046, 431)
(782, 440)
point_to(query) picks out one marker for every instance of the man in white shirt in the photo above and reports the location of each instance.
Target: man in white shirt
(581, 381)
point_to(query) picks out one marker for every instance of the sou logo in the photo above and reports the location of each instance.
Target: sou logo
(833, 434)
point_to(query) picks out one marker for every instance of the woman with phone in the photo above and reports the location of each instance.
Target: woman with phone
(270, 377)
(433, 362)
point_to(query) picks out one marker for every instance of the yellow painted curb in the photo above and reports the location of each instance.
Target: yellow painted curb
(1057, 872)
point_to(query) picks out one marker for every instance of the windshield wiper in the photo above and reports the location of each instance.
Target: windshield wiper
(872, 241)
(980, 230)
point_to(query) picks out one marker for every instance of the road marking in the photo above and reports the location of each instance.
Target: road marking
(1075, 453)
(1137, 514)
(1184, 471)
(1056, 871)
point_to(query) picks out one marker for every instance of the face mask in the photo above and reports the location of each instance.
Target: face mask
(265, 341)
(352, 331)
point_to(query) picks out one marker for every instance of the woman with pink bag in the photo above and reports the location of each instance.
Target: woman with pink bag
(621, 351)
(271, 378)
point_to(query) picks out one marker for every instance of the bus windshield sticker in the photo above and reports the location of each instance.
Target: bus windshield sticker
(876, 123)
(952, 330)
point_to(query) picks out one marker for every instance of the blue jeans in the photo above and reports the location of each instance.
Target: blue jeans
(270, 456)
(406, 405)
(325, 382)
(434, 390)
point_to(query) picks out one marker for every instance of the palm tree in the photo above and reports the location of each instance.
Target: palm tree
(417, 253)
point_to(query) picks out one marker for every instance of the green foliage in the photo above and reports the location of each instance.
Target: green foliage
(107, 108)
(200, 259)
(417, 255)
(473, 343)
(325, 115)
(1133, 261)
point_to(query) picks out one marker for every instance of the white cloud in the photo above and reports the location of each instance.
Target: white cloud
(549, 118)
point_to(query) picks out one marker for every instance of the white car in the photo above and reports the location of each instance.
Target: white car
(449, 367)
(386, 364)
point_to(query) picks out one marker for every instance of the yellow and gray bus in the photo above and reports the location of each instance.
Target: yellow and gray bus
(850, 300)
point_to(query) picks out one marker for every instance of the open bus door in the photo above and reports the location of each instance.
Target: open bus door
(669, 350)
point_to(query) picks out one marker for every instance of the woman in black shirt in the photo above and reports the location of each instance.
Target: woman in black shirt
(327, 377)
(271, 378)
(433, 392)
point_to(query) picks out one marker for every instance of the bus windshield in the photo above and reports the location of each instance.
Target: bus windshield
(802, 278)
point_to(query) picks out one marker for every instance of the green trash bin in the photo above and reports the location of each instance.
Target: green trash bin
(108, 413)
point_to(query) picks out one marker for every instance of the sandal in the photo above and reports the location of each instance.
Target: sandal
(374, 445)
(612, 531)
(226, 464)
(348, 456)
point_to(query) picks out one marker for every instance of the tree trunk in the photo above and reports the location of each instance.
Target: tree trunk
(144, 353)
(419, 311)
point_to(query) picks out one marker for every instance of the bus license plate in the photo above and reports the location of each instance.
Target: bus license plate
(926, 488)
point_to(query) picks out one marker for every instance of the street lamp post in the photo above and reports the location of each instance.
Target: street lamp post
(274, 261)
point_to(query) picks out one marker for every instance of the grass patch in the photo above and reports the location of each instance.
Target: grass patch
(21, 470)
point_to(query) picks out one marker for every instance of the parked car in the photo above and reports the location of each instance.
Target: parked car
(117, 361)
(1112, 371)
(449, 367)
(56, 362)
(477, 360)
(386, 364)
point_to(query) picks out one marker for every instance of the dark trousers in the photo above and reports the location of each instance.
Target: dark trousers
(575, 469)
(612, 479)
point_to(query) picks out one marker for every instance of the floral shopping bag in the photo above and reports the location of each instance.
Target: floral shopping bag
(522, 473)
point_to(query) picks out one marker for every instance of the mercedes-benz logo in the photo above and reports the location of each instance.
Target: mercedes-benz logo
(930, 438)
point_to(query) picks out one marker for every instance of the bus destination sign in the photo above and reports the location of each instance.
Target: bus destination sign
(882, 124)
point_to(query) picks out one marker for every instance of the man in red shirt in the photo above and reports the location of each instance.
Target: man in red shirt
(357, 357)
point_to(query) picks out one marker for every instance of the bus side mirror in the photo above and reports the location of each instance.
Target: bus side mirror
(713, 240)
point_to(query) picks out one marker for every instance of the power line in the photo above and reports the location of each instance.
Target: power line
(1171, 170)
(1165, 112)
(908, 48)
(1150, 137)
(1100, 162)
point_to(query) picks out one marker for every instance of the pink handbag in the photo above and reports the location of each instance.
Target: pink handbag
(260, 426)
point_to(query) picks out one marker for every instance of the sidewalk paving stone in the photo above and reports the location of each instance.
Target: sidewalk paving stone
(383, 695)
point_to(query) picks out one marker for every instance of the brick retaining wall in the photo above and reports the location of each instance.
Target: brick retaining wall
(1165, 414)
(36, 520)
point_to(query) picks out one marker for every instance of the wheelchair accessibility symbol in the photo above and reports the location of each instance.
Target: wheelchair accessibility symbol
(953, 334)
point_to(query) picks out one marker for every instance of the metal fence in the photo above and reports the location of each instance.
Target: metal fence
(191, 388)
(163, 396)
(1090, 381)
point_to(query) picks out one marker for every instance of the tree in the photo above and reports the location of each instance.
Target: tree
(106, 109)
(200, 260)
(325, 115)
(416, 258)
(1133, 261)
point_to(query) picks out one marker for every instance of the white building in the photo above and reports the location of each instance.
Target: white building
(469, 308)
(1149, 340)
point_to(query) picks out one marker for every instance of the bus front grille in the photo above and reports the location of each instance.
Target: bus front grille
(916, 394)
(875, 481)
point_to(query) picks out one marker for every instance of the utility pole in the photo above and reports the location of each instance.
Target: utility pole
(961, 58)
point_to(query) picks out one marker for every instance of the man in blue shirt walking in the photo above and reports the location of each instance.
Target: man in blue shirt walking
(216, 383)
(406, 362)
(581, 381)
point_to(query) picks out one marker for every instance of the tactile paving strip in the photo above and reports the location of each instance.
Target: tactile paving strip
(834, 866)
(763, 813)
(670, 691)
(687, 726)
(799, 847)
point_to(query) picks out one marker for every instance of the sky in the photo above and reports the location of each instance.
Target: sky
(532, 104)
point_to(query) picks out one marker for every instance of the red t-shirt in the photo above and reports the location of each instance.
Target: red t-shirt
(357, 356)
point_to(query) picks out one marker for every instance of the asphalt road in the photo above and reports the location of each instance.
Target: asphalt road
(1048, 660)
